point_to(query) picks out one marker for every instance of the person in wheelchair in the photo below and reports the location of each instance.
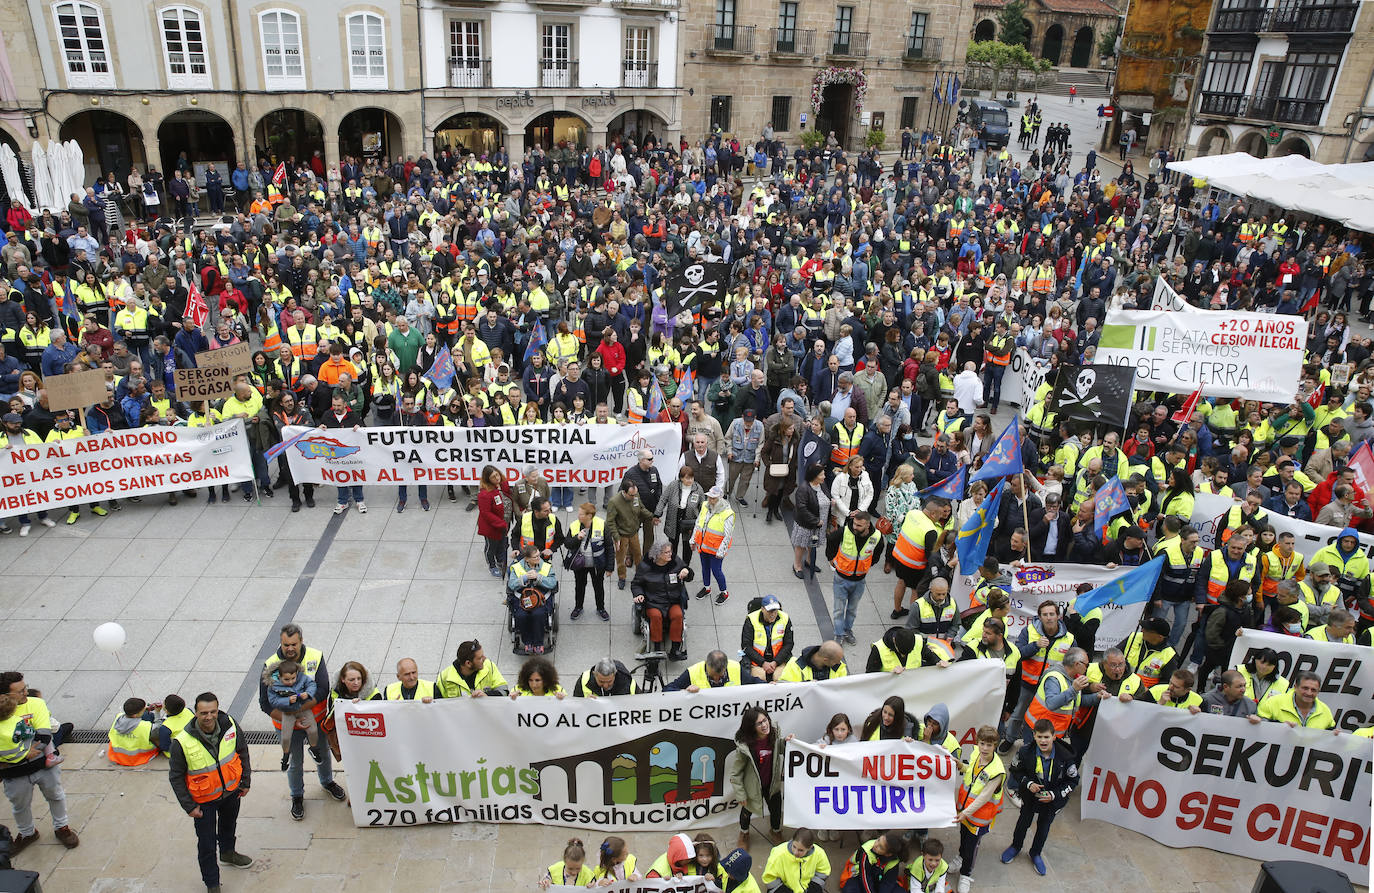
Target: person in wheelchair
(530, 587)
(659, 591)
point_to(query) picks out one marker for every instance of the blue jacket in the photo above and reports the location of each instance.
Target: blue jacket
(9, 375)
(56, 358)
(240, 179)
(191, 343)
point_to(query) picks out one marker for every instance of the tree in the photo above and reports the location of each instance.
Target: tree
(1011, 24)
(1106, 45)
(1001, 57)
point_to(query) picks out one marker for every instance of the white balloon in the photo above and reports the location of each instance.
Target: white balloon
(109, 637)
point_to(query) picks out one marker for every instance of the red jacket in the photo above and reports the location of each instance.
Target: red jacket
(18, 219)
(233, 297)
(612, 356)
(491, 511)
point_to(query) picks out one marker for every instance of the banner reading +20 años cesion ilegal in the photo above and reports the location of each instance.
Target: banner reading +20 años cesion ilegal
(1260, 791)
(568, 455)
(643, 761)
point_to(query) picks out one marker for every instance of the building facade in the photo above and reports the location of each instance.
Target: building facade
(1157, 66)
(804, 64)
(1066, 32)
(518, 74)
(1287, 78)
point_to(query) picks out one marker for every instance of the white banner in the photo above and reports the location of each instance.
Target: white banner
(869, 784)
(635, 762)
(1261, 791)
(568, 455)
(688, 884)
(1165, 298)
(1209, 516)
(120, 464)
(1024, 375)
(1257, 356)
(1033, 583)
(1346, 671)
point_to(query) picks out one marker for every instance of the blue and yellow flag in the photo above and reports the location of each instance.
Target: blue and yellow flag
(1129, 589)
(976, 534)
(951, 487)
(1005, 458)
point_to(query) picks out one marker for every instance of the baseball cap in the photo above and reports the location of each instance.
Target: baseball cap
(770, 603)
(749, 414)
(715, 493)
(12, 417)
(737, 864)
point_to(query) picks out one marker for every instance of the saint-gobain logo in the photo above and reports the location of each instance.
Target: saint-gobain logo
(365, 725)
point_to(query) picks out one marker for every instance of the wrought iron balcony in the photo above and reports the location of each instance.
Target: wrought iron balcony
(846, 43)
(635, 73)
(1246, 20)
(464, 72)
(923, 49)
(1335, 18)
(732, 39)
(557, 73)
(1276, 109)
(798, 41)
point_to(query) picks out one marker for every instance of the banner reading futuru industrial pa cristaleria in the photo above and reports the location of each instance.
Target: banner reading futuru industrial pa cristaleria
(1257, 356)
(567, 455)
(657, 761)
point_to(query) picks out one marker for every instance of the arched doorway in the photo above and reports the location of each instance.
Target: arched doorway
(289, 133)
(205, 137)
(469, 132)
(556, 128)
(636, 126)
(370, 133)
(1215, 141)
(986, 30)
(1053, 45)
(1253, 144)
(109, 141)
(1082, 48)
(1294, 145)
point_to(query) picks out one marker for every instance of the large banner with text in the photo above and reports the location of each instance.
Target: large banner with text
(568, 455)
(636, 762)
(869, 784)
(1346, 671)
(119, 464)
(1260, 791)
(1209, 517)
(1257, 356)
(1035, 583)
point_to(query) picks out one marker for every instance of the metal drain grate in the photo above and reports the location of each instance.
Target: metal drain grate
(97, 736)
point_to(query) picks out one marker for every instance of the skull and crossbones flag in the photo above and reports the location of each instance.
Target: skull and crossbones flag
(695, 282)
(1097, 394)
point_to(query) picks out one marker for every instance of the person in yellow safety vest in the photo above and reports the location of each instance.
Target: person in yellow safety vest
(796, 866)
(1349, 568)
(1147, 651)
(1233, 562)
(920, 537)
(901, 649)
(1178, 693)
(996, 605)
(1044, 642)
(471, 674)
(766, 639)
(851, 548)
(996, 356)
(716, 671)
(978, 801)
(210, 774)
(677, 861)
(408, 685)
(1280, 563)
(1339, 628)
(311, 660)
(1249, 511)
(1299, 706)
(935, 614)
(132, 735)
(1318, 592)
(712, 537)
(823, 661)
(950, 419)
(176, 716)
(1063, 690)
(845, 438)
(572, 870)
(929, 872)
(304, 339)
(1289, 595)
(1116, 679)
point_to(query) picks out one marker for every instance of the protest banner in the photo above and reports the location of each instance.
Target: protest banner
(688, 884)
(568, 455)
(1346, 671)
(203, 383)
(237, 358)
(1260, 791)
(137, 462)
(638, 762)
(75, 390)
(1166, 298)
(1252, 355)
(869, 784)
(1033, 583)
(1209, 517)
(1025, 375)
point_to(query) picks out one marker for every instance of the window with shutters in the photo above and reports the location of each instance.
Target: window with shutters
(85, 50)
(283, 61)
(183, 46)
(465, 66)
(366, 51)
(638, 70)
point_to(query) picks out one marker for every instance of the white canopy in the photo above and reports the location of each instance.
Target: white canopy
(1340, 192)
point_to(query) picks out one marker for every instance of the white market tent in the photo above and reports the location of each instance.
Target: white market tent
(1339, 192)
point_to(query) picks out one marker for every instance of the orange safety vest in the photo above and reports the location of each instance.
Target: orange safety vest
(1039, 710)
(1276, 571)
(910, 547)
(1033, 667)
(210, 776)
(304, 345)
(971, 784)
(846, 443)
(851, 560)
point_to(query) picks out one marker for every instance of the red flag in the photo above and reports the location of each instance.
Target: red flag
(1185, 414)
(279, 175)
(1312, 301)
(196, 308)
(1318, 394)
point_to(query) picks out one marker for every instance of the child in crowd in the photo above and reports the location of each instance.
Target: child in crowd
(287, 692)
(838, 731)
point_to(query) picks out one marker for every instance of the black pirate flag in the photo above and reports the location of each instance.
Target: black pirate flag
(696, 282)
(1097, 394)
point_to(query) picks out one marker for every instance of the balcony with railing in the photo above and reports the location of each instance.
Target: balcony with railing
(557, 73)
(922, 49)
(464, 72)
(1240, 20)
(647, 4)
(1326, 18)
(791, 41)
(731, 39)
(1275, 109)
(846, 43)
(635, 73)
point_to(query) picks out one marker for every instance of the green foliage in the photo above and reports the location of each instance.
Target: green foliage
(812, 138)
(1106, 44)
(875, 139)
(1011, 23)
